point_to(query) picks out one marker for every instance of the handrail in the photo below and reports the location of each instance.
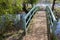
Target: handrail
(26, 19)
(31, 16)
(49, 9)
(52, 20)
(51, 15)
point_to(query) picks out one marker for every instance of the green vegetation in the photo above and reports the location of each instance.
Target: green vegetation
(10, 6)
(57, 11)
(57, 1)
(13, 6)
(27, 3)
(9, 9)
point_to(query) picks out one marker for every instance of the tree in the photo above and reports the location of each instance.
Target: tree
(33, 2)
(28, 2)
(10, 6)
(24, 6)
(53, 5)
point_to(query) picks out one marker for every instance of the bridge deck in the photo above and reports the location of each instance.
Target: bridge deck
(38, 27)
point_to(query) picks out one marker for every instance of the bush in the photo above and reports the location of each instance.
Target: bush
(10, 6)
(9, 22)
(8, 14)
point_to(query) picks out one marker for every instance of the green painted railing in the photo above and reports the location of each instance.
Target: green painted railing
(50, 16)
(26, 19)
(52, 21)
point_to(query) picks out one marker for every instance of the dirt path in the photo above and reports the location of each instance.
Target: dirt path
(38, 27)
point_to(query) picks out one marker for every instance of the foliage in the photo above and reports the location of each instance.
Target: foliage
(57, 11)
(33, 1)
(8, 10)
(9, 22)
(57, 1)
(10, 6)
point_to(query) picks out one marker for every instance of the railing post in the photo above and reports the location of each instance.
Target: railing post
(24, 25)
(23, 22)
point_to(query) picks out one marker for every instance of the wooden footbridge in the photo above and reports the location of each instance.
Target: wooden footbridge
(39, 25)
(43, 25)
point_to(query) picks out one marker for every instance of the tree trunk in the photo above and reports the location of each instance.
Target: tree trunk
(24, 8)
(53, 5)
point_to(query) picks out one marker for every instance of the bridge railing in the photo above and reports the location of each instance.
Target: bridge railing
(51, 17)
(51, 20)
(26, 19)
